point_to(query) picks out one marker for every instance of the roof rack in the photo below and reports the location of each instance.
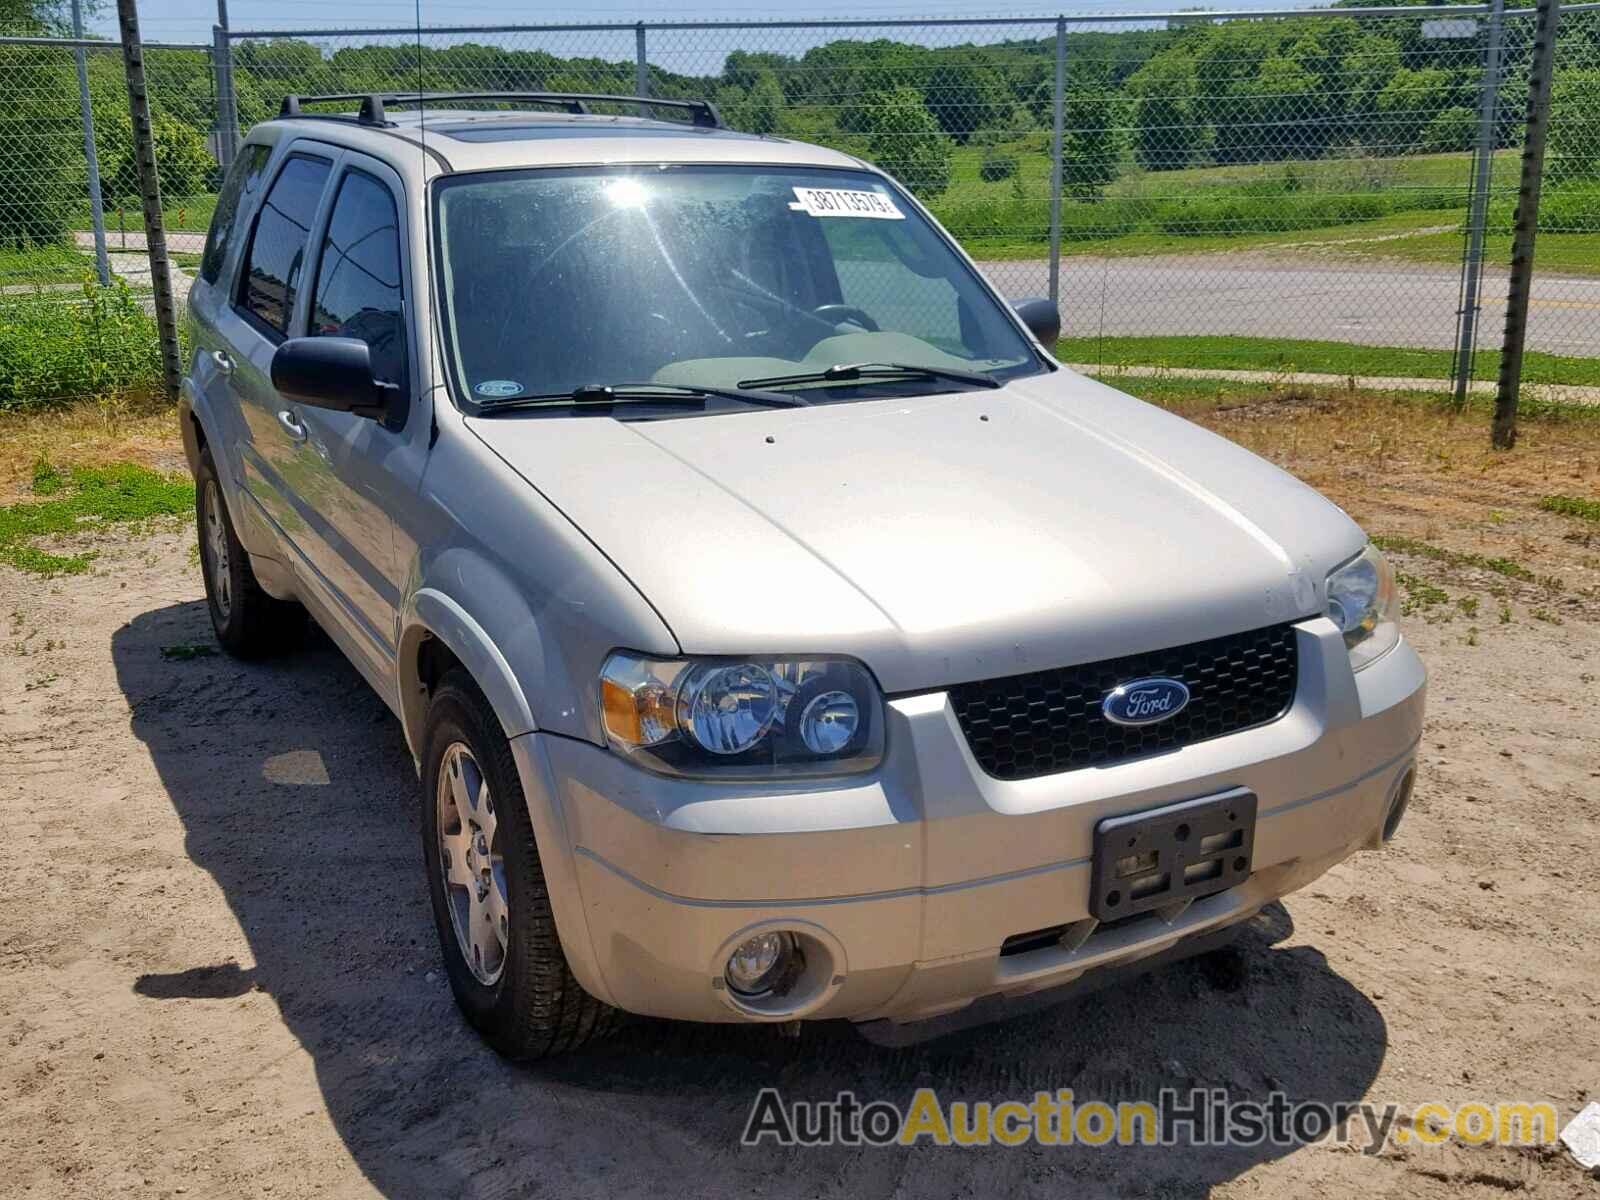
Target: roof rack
(374, 105)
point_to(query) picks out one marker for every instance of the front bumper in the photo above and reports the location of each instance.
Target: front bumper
(904, 884)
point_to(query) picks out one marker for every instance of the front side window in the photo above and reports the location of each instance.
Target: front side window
(710, 276)
(358, 293)
(278, 248)
(243, 179)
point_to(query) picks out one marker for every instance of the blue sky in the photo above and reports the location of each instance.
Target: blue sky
(191, 20)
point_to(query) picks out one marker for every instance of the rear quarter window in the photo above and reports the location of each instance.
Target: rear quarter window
(244, 177)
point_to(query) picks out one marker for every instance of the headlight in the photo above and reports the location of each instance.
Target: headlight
(1361, 602)
(752, 718)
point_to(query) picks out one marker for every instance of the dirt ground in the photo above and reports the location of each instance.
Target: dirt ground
(218, 970)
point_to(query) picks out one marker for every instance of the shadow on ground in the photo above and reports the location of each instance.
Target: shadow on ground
(298, 795)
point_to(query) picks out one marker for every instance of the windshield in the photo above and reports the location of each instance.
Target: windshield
(557, 279)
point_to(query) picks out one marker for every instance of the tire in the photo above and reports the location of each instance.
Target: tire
(249, 623)
(514, 987)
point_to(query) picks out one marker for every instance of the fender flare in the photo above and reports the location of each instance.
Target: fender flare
(430, 612)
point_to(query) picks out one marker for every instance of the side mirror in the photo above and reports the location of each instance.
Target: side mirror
(1042, 318)
(333, 373)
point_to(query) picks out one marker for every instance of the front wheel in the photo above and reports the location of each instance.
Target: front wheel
(491, 906)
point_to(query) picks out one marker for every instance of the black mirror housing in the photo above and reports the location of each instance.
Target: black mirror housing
(333, 373)
(1042, 318)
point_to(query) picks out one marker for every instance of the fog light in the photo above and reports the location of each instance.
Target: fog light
(762, 964)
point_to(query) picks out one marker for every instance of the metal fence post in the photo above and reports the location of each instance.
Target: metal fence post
(1058, 118)
(144, 158)
(1483, 179)
(219, 73)
(97, 208)
(641, 66)
(1526, 231)
(227, 107)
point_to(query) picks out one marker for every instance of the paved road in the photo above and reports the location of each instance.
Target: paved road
(1373, 302)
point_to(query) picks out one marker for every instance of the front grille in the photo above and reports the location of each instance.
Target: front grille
(1046, 722)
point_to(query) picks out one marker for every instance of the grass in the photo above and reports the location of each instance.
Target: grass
(1288, 355)
(136, 427)
(79, 498)
(179, 213)
(1572, 506)
(43, 265)
(1411, 207)
(1208, 208)
(1400, 544)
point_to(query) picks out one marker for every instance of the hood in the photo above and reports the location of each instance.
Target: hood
(940, 539)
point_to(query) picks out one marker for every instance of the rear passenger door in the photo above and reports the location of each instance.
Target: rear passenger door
(212, 321)
(269, 284)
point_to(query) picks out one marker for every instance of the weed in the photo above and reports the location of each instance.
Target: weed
(1544, 614)
(84, 497)
(42, 681)
(1505, 614)
(1508, 567)
(53, 348)
(1420, 594)
(1468, 605)
(1572, 506)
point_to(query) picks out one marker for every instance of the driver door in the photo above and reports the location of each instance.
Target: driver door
(344, 474)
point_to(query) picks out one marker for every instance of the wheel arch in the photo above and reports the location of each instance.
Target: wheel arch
(191, 427)
(437, 633)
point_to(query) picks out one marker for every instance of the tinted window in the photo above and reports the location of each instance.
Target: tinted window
(358, 279)
(278, 249)
(244, 177)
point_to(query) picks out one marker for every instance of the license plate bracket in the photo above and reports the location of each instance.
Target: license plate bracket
(1182, 851)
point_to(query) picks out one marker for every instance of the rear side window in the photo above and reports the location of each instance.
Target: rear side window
(358, 278)
(277, 251)
(244, 177)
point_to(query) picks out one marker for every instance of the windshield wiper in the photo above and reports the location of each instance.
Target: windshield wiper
(855, 372)
(595, 395)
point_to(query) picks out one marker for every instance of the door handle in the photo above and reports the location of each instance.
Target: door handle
(222, 361)
(291, 425)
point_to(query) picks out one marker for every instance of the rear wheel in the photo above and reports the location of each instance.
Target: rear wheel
(491, 906)
(249, 623)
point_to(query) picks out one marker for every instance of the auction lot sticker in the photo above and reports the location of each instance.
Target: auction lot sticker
(845, 202)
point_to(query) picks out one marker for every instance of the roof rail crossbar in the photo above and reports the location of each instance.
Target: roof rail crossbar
(374, 105)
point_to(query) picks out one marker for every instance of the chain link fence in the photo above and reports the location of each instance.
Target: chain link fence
(1199, 192)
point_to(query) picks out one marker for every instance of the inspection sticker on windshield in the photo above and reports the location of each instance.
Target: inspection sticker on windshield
(844, 202)
(499, 387)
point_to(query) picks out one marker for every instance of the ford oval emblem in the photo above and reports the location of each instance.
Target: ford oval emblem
(1145, 701)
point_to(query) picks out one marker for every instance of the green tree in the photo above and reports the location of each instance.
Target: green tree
(1092, 138)
(1574, 147)
(1451, 130)
(903, 138)
(761, 108)
(41, 147)
(1287, 110)
(1168, 132)
(183, 164)
(966, 94)
(1407, 103)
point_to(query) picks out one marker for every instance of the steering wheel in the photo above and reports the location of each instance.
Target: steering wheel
(835, 313)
